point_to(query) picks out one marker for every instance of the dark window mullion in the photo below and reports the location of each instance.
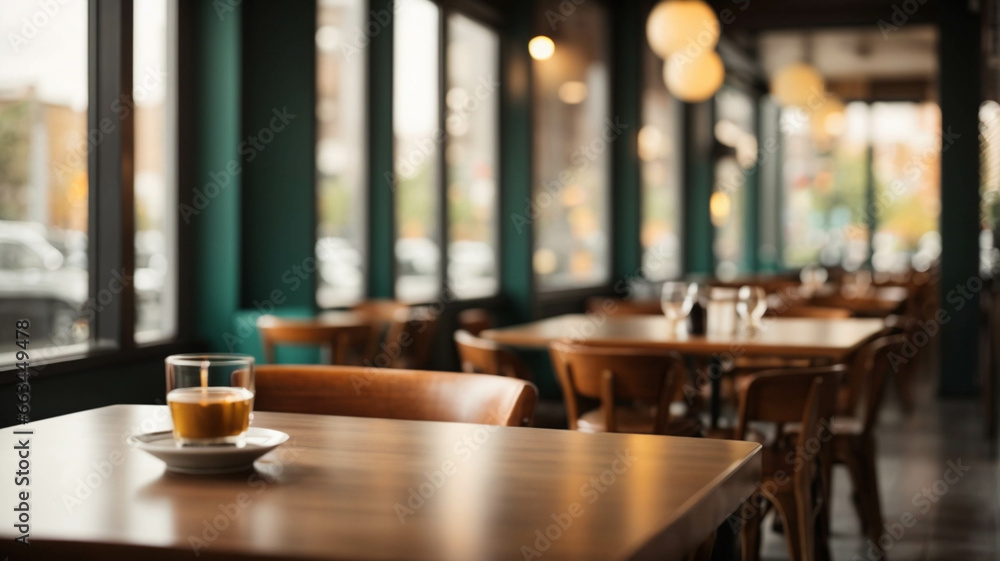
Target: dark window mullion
(111, 221)
(444, 220)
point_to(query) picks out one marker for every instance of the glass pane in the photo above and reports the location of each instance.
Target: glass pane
(989, 164)
(340, 153)
(824, 188)
(417, 141)
(736, 138)
(573, 133)
(659, 156)
(153, 60)
(906, 145)
(43, 174)
(472, 101)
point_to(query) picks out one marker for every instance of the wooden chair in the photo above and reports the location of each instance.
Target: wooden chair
(356, 391)
(475, 320)
(482, 356)
(378, 310)
(791, 480)
(654, 379)
(623, 306)
(343, 343)
(409, 340)
(854, 434)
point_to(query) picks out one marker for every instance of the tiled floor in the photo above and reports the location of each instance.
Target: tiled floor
(957, 522)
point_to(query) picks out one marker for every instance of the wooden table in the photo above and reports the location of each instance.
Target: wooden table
(349, 489)
(827, 340)
(787, 337)
(879, 302)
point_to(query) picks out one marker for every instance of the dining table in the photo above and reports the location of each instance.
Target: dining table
(819, 340)
(874, 302)
(347, 488)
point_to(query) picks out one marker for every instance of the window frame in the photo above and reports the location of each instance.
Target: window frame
(555, 298)
(111, 201)
(678, 136)
(490, 19)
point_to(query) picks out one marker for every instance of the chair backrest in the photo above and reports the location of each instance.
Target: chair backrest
(410, 338)
(623, 306)
(814, 312)
(379, 310)
(609, 374)
(877, 360)
(356, 391)
(475, 320)
(482, 356)
(338, 339)
(855, 384)
(807, 396)
(781, 396)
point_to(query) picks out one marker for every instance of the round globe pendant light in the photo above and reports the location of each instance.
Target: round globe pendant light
(676, 25)
(827, 119)
(798, 85)
(694, 79)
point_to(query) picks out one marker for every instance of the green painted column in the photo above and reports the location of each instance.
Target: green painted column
(381, 257)
(959, 83)
(276, 152)
(213, 201)
(627, 102)
(698, 230)
(516, 274)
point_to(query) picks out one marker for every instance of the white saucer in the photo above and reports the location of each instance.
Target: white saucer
(208, 459)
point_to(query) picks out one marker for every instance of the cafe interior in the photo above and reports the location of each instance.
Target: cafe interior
(463, 280)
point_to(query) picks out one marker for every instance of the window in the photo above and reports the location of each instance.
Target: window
(43, 173)
(446, 161)
(660, 169)
(827, 217)
(154, 26)
(989, 163)
(417, 134)
(472, 157)
(573, 133)
(825, 182)
(340, 154)
(736, 145)
(60, 269)
(906, 143)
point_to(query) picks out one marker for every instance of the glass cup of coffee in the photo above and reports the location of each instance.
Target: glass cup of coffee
(210, 398)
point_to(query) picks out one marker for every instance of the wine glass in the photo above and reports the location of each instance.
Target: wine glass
(751, 304)
(813, 278)
(674, 301)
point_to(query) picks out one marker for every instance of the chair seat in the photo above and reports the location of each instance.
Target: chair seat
(842, 425)
(637, 421)
(768, 362)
